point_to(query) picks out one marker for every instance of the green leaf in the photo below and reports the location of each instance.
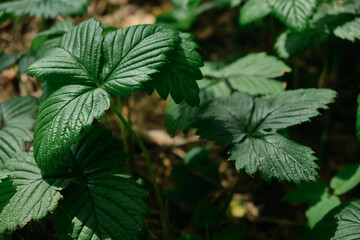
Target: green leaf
(76, 59)
(25, 61)
(290, 44)
(27, 195)
(349, 31)
(295, 14)
(133, 54)
(341, 223)
(254, 10)
(17, 116)
(206, 214)
(243, 122)
(57, 30)
(179, 76)
(177, 116)
(190, 237)
(61, 118)
(105, 204)
(307, 193)
(346, 179)
(318, 210)
(7, 60)
(46, 8)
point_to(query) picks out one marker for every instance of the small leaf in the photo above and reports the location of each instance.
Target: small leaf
(179, 76)
(253, 10)
(7, 60)
(57, 30)
(346, 179)
(307, 193)
(105, 204)
(244, 123)
(133, 54)
(17, 116)
(76, 58)
(349, 31)
(27, 194)
(46, 8)
(290, 44)
(61, 118)
(318, 210)
(295, 14)
(25, 62)
(341, 223)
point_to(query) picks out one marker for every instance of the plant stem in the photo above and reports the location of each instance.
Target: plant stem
(151, 170)
(323, 75)
(228, 200)
(296, 73)
(123, 135)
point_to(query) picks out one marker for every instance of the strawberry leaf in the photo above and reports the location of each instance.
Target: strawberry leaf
(17, 116)
(27, 194)
(105, 204)
(249, 125)
(46, 8)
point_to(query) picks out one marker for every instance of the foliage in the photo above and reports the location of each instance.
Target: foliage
(45, 8)
(253, 74)
(340, 223)
(132, 57)
(249, 126)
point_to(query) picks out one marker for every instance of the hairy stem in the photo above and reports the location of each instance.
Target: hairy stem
(123, 135)
(151, 170)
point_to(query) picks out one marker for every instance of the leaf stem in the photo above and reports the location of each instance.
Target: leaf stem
(228, 200)
(151, 170)
(123, 135)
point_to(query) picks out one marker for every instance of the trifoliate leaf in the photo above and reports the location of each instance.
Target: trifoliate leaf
(346, 179)
(76, 59)
(27, 194)
(179, 76)
(61, 119)
(341, 223)
(253, 73)
(295, 14)
(46, 8)
(133, 54)
(57, 30)
(7, 60)
(78, 77)
(105, 204)
(290, 44)
(349, 31)
(17, 116)
(243, 122)
(253, 10)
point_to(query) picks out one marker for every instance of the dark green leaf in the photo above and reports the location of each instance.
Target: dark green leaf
(104, 204)
(307, 193)
(7, 60)
(346, 179)
(46, 8)
(190, 237)
(61, 118)
(25, 62)
(179, 76)
(290, 44)
(76, 59)
(133, 54)
(341, 223)
(57, 30)
(243, 123)
(27, 195)
(17, 116)
(295, 14)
